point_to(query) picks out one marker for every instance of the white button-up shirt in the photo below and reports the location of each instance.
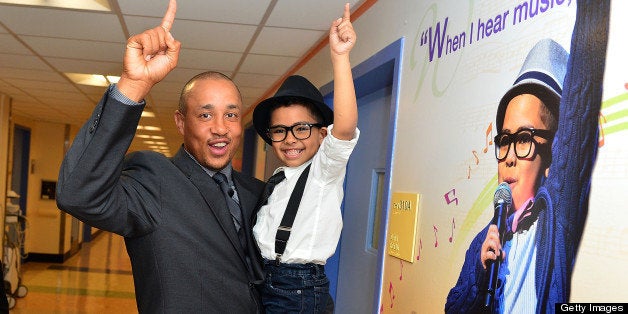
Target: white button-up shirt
(317, 225)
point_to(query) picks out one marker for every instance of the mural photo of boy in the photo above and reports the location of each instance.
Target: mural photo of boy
(546, 148)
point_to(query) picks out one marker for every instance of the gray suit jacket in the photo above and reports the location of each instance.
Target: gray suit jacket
(183, 246)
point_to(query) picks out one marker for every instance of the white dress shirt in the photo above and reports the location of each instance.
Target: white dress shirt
(317, 225)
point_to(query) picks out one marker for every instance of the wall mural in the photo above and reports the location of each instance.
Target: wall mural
(522, 98)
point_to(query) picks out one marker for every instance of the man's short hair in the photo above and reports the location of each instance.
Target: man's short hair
(207, 75)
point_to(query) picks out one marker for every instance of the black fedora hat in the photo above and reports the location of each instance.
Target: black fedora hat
(295, 87)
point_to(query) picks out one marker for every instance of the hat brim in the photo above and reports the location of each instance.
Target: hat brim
(261, 113)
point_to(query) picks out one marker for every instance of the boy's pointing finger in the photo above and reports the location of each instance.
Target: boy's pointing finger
(347, 14)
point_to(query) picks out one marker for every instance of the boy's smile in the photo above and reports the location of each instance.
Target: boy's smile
(291, 151)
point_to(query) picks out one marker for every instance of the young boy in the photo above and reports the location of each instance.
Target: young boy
(298, 125)
(550, 204)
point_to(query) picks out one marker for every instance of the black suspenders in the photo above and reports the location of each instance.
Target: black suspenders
(285, 227)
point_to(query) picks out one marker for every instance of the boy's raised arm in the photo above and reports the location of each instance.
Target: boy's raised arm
(342, 38)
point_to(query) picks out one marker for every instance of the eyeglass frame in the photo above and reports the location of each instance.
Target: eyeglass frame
(547, 135)
(291, 129)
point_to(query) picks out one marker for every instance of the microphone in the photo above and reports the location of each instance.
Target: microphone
(501, 203)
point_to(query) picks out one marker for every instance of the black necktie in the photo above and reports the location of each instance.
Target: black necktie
(234, 207)
(270, 186)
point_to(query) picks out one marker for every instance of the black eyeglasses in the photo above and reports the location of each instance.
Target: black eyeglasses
(522, 139)
(300, 131)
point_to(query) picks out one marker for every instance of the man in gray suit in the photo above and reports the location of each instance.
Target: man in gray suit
(189, 253)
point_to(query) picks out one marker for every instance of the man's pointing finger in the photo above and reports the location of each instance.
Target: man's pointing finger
(168, 20)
